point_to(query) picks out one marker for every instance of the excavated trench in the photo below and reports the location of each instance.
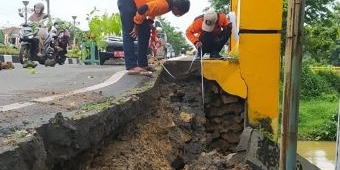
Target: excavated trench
(175, 133)
(173, 130)
(164, 124)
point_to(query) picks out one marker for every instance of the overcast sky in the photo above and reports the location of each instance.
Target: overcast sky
(65, 9)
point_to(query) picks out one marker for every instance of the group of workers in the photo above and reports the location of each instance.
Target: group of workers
(208, 32)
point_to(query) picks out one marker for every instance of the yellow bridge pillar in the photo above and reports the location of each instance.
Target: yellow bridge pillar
(259, 56)
(258, 50)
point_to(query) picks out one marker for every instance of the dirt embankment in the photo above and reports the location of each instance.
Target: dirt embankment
(176, 134)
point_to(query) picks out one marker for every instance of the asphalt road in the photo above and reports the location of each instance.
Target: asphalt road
(30, 97)
(19, 85)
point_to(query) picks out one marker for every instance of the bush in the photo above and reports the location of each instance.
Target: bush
(9, 50)
(327, 131)
(332, 78)
(314, 85)
(75, 52)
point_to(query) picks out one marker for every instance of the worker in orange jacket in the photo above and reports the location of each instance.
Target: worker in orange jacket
(137, 19)
(209, 33)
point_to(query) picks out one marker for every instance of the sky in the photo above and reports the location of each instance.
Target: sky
(65, 9)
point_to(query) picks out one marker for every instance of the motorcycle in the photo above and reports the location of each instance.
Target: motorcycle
(55, 46)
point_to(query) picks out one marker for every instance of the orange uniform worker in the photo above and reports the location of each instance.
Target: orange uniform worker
(136, 18)
(209, 33)
(154, 42)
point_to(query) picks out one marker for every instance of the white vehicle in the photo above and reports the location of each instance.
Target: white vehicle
(170, 52)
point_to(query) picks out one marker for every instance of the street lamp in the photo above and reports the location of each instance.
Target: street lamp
(74, 30)
(74, 20)
(25, 3)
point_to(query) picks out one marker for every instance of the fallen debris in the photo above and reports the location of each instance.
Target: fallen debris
(6, 65)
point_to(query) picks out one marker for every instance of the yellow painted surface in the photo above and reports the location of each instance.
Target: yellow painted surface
(227, 75)
(259, 57)
(261, 14)
(255, 78)
(233, 43)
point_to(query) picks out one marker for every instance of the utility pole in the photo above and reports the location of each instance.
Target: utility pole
(337, 158)
(25, 3)
(292, 74)
(48, 10)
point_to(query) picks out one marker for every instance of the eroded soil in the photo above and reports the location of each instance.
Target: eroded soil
(173, 135)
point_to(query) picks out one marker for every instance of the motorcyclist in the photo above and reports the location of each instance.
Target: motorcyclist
(62, 34)
(38, 17)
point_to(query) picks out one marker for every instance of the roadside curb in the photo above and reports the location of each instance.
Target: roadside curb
(67, 134)
(15, 59)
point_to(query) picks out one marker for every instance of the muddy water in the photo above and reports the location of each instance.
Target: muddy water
(320, 153)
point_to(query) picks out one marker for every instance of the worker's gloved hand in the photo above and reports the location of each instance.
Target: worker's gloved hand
(198, 44)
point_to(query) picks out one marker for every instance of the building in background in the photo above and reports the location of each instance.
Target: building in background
(11, 36)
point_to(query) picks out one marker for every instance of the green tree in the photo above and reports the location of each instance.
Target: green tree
(321, 33)
(320, 29)
(318, 11)
(175, 38)
(1, 37)
(104, 25)
(320, 41)
(220, 5)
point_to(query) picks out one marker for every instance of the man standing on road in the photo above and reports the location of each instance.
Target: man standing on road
(137, 17)
(209, 33)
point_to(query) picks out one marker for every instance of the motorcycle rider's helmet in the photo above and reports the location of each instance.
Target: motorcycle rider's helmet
(40, 6)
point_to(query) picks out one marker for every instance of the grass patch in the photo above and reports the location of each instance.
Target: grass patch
(317, 119)
(101, 105)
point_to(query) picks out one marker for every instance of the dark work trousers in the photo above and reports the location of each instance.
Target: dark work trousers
(127, 10)
(213, 44)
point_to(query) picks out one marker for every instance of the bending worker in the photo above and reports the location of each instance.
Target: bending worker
(209, 33)
(136, 18)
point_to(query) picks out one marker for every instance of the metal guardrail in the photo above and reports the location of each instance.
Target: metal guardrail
(325, 68)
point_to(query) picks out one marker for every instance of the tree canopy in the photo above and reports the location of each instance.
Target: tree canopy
(175, 38)
(103, 25)
(1, 37)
